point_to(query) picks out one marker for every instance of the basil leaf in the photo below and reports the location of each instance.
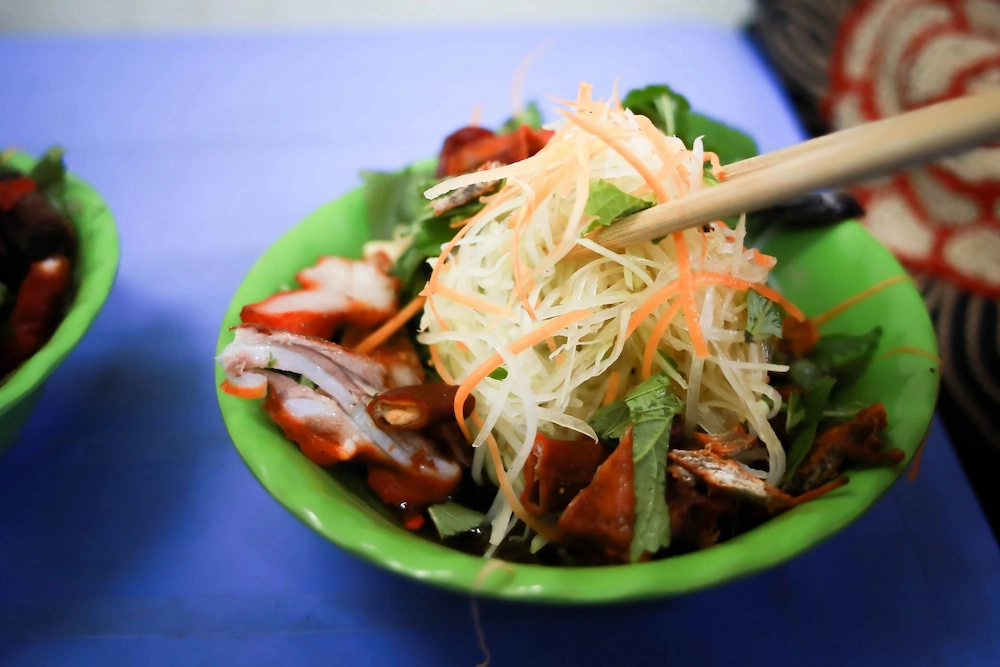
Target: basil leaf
(660, 104)
(652, 407)
(611, 420)
(452, 519)
(795, 412)
(609, 203)
(844, 356)
(813, 403)
(499, 374)
(671, 113)
(530, 116)
(763, 318)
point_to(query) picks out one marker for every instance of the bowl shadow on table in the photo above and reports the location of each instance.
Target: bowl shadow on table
(94, 478)
(849, 601)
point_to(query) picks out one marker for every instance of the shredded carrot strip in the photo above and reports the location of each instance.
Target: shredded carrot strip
(909, 350)
(765, 291)
(687, 297)
(611, 393)
(618, 146)
(761, 259)
(546, 530)
(439, 365)
(493, 203)
(662, 195)
(821, 491)
(472, 302)
(394, 324)
(653, 344)
(651, 304)
(495, 360)
(847, 303)
(515, 264)
(832, 485)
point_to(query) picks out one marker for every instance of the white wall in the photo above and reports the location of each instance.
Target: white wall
(142, 15)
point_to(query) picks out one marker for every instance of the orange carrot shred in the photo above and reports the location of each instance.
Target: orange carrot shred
(653, 344)
(495, 360)
(395, 323)
(611, 393)
(847, 303)
(439, 365)
(546, 530)
(905, 349)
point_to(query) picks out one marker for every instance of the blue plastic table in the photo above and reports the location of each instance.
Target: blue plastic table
(130, 531)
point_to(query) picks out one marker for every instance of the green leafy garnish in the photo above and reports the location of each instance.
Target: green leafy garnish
(813, 402)
(499, 374)
(672, 114)
(453, 519)
(611, 420)
(652, 407)
(763, 318)
(529, 116)
(609, 203)
(50, 170)
(395, 198)
(843, 356)
(795, 412)
(667, 358)
(430, 231)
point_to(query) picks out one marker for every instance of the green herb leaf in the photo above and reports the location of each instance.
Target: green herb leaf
(430, 232)
(844, 356)
(499, 374)
(652, 407)
(660, 104)
(730, 144)
(452, 519)
(813, 403)
(50, 170)
(395, 198)
(672, 113)
(610, 203)
(844, 411)
(611, 420)
(795, 412)
(530, 116)
(667, 358)
(763, 318)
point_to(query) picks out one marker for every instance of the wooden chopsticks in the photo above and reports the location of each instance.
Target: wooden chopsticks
(840, 158)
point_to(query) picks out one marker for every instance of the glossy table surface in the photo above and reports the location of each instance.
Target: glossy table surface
(131, 532)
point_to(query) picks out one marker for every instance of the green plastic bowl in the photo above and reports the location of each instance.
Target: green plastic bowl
(816, 269)
(96, 266)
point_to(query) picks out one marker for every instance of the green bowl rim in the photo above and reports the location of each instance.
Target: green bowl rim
(101, 246)
(432, 563)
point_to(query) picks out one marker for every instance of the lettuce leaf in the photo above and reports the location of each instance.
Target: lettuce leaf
(453, 519)
(609, 203)
(671, 113)
(652, 407)
(395, 198)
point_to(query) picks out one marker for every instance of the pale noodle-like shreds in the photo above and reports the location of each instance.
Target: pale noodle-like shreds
(513, 258)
